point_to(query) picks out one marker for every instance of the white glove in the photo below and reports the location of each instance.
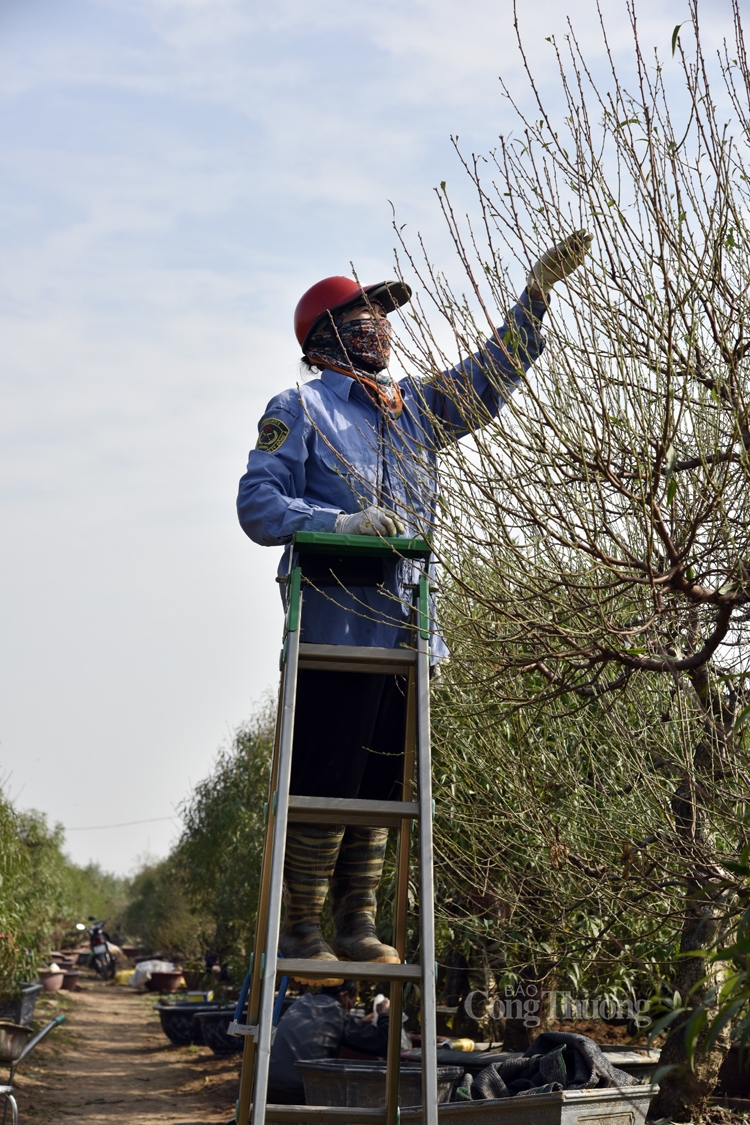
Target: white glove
(373, 521)
(557, 262)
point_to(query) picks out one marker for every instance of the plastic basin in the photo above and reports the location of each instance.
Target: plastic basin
(214, 1027)
(179, 1021)
(345, 1082)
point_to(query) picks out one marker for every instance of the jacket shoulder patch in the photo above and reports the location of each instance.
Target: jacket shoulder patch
(273, 433)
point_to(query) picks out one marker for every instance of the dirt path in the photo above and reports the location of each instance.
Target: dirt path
(111, 1063)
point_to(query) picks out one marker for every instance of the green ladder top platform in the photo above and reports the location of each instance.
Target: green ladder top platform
(328, 543)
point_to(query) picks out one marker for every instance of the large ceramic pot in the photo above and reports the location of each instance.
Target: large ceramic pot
(52, 979)
(13, 1039)
(133, 952)
(214, 1026)
(166, 982)
(70, 980)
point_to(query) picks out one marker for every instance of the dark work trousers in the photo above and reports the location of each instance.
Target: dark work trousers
(349, 735)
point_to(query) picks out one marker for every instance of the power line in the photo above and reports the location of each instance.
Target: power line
(124, 824)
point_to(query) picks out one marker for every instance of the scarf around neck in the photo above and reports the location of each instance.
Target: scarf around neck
(361, 349)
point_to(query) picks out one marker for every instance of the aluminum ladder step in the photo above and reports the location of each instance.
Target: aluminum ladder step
(349, 970)
(341, 810)
(352, 658)
(349, 1115)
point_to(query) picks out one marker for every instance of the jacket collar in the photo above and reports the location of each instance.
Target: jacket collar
(341, 385)
(344, 387)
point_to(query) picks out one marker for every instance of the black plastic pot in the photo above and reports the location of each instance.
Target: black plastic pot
(179, 1022)
(214, 1026)
(21, 1011)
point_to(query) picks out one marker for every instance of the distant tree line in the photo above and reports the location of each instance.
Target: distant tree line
(43, 894)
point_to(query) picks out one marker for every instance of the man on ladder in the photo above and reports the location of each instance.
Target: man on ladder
(354, 452)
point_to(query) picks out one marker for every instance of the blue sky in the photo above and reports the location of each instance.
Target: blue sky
(175, 173)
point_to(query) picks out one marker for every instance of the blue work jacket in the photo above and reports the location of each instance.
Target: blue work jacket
(325, 448)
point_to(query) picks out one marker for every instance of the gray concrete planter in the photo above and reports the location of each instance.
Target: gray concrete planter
(21, 1011)
(625, 1106)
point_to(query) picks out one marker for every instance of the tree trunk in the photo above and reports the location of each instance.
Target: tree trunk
(480, 1026)
(684, 1092)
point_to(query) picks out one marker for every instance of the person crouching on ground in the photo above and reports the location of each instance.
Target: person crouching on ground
(316, 1026)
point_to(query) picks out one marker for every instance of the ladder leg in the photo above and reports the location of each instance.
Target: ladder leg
(273, 925)
(427, 885)
(281, 802)
(253, 1000)
(400, 909)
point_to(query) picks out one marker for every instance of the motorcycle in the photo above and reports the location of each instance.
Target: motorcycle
(101, 959)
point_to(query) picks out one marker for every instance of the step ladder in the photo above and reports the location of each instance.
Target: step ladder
(352, 560)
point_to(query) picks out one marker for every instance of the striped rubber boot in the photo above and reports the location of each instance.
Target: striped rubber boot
(353, 888)
(311, 851)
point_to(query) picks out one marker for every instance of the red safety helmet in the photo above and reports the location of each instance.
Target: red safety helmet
(338, 292)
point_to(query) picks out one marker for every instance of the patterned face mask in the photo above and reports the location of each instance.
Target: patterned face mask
(367, 342)
(360, 348)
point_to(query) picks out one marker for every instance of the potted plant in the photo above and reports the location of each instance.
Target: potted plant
(194, 971)
(17, 995)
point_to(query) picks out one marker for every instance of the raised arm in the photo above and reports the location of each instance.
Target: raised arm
(466, 396)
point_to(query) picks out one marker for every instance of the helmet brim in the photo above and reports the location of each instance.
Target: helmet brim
(391, 295)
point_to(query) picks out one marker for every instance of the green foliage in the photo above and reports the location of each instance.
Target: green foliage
(547, 821)
(559, 829)
(159, 913)
(203, 895)
(93, 891)
(42, 894)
